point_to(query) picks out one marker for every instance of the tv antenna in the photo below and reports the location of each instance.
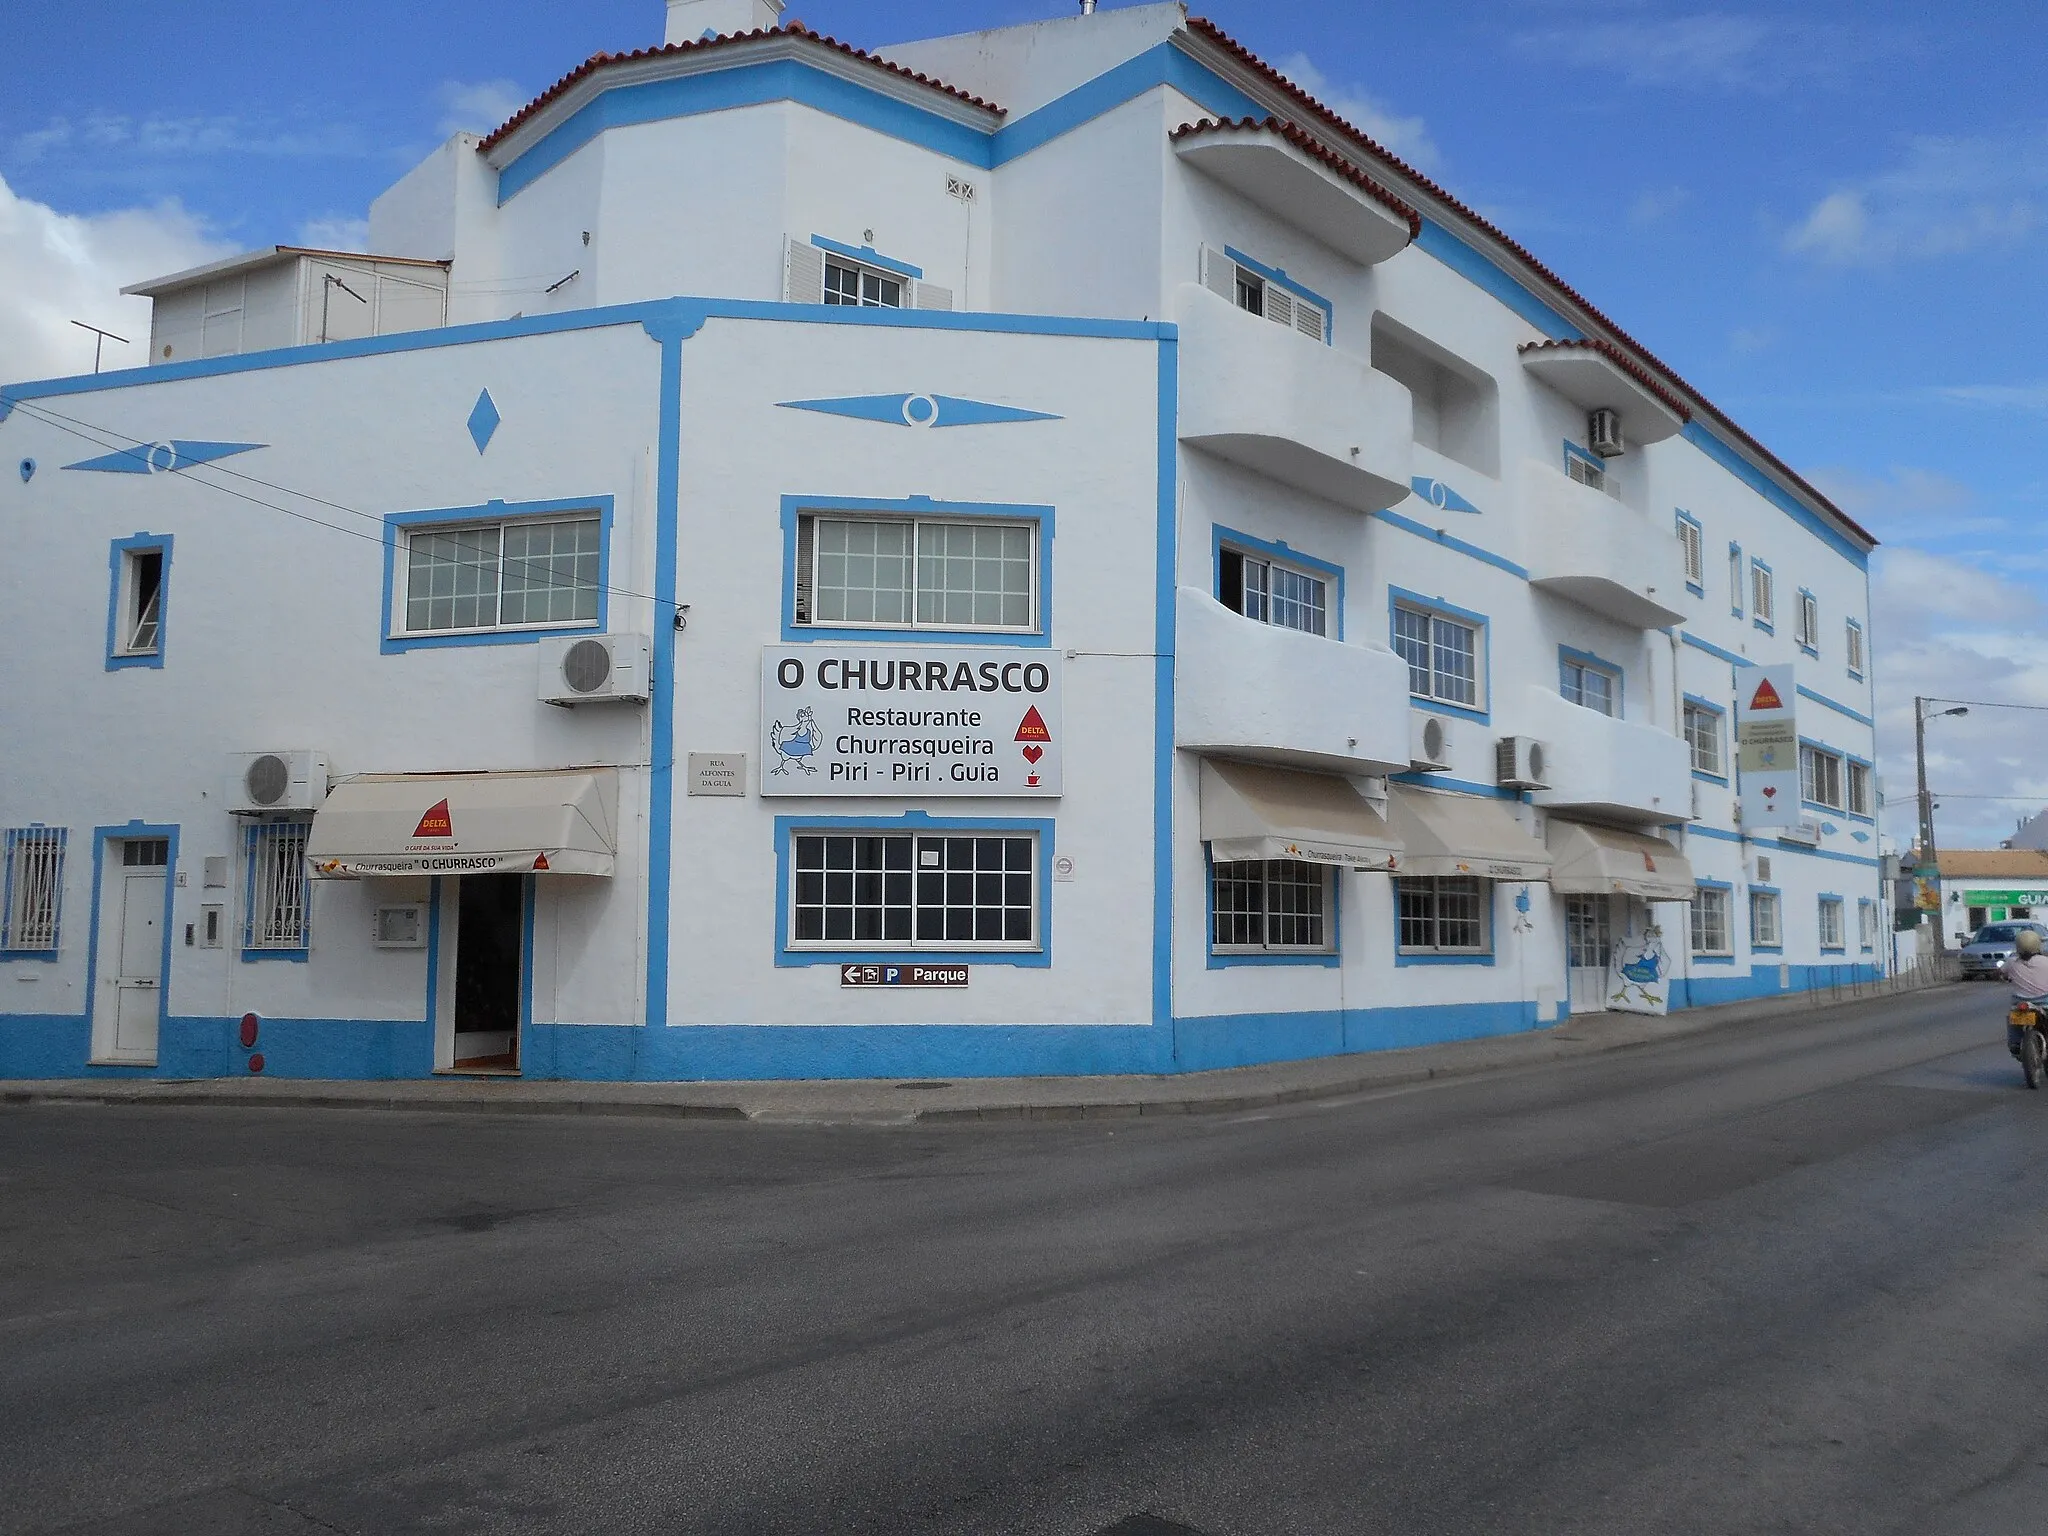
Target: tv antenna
(100, 339)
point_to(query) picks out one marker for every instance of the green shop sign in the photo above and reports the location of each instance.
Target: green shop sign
(2006, 898)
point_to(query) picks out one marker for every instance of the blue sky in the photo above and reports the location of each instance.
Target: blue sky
(1831, 218)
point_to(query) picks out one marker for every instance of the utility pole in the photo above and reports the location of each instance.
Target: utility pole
(1929, 858)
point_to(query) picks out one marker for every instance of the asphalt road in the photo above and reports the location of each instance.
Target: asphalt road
(1791, 1276)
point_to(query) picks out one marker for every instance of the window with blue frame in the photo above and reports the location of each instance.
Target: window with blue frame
(911, 891)
(1590, 683)
(1703, 738)
(140, 570)
(882, 572)
(1853, 647)
(1692, 546)
(1808, 628)
(1712, 934)
(277, 892)
(1447, 915)
(1763, 595)
(502, 574)
(34, 890)
(1272, 591)
(1831, 932)
(1268, 906)
(1866, 924)
(1445, 653)
(1735, 579)
(1267, 292)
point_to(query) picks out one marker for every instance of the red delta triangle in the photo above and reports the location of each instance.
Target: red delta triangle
(1032, 726)
(435, 823)
(1766, 697)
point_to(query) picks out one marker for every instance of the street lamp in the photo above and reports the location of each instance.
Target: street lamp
(1928, 857)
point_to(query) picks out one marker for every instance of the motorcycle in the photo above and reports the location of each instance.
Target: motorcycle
(2025, 1038)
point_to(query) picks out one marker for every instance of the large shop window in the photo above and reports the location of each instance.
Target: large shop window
(915, 891)
(912, 573)
(1444, 915)
(34, 888)
(1272, 592)
(277, 892)
(1445, 655)
(1265, 906)
(534, 573)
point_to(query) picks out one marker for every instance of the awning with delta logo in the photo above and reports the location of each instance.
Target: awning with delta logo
(467, 824)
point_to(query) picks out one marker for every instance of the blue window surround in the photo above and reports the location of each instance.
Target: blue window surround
(1573, 451)
(1768, 626)
(1425, 957)
(1855, 672)
(7, 891)
(1685, 518)
(1847, 758)
(118, 554)
(1720, 711)
(1220, 960)
(915, 822)
(867, 256)
(1279, 278)
(1779, 947)
(1718, 959)
(1738, 573)
(1460, 546)
(1401, 597)
(1566, 654)
(1835, 897)
(397, 524)
(251, 835)
(1277, 552)
(794, 633)
(1809, 647)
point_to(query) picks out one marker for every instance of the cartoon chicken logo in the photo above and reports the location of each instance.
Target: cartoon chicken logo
(795, 745)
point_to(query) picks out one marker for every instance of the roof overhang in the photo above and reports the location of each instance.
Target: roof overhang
(1250, 811)
(250, 261)
(1594, 860)
(1589, 376)
(467, 824)
(1447, 834)
(1303, 183)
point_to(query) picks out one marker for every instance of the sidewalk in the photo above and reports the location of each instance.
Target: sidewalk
(892, 1102)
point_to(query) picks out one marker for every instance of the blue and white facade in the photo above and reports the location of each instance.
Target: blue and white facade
(1100, 570)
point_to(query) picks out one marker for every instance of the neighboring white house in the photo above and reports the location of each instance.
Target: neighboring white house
(1035, 552)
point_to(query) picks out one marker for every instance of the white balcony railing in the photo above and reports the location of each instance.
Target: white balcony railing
(1598, 552)
(1617, 769)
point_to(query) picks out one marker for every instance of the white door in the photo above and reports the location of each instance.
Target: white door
(132, 967)
(1589, 945)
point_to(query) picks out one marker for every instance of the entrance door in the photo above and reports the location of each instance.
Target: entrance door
(489, 948)
(1589, 945)
(130, 1003)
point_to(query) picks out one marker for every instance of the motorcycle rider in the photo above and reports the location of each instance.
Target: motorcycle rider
(2026, 977)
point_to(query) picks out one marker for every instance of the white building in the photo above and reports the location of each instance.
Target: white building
(1094, 566)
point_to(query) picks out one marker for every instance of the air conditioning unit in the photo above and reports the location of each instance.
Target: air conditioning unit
(1603, 432)
(1519, 763)
(1429, 743)
(594, 669)
(260, 782)
(1763, 869)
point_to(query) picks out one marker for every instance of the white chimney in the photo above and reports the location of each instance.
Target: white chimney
(689, 20)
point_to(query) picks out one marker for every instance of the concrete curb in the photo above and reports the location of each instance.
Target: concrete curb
(977, 1100)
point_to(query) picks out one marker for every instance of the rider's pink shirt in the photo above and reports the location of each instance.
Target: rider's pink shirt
(2027, 975)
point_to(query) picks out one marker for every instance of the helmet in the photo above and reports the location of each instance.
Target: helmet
(2029, 941)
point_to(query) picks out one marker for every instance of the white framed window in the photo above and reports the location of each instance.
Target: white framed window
(34, 888)
(526, 573)
(1273, 592)
(1256, 293)
(1735, 580)
(278, 892)
(1763, 600)
(1264, 906)
(1444, 915)
(1763, 920)
(910, 891)
(1857, 777)
(1820, 777)
(1445, 655)
(917, 573)
(867, 287)
(1703, 738)
(1853, 646)
(1831, 922)
(1590, 684)
(1692, 545)
(1866, 924)
(141, 570)
(1710, 929)
(1809, 621)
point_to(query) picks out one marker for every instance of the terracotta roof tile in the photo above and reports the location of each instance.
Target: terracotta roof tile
(598, 61)
(1993, 863)
(1316, 149)
(1215, 34)
(1621, 360)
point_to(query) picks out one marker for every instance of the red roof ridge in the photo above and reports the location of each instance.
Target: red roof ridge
(598, 61)
(1215, 34)
(1314, 147)
(1621, 360)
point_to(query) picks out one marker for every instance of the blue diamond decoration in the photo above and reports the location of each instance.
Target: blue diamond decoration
(483, 420)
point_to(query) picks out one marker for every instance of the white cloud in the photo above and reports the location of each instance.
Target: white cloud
(62, 267)
(1709, 50)
(1904, 504)
(1747, 340)
(1407, 137)
(1653, 206)
(478, 106)
(185, 137)
(2029, 398)
(335, 232)
(1944, 197)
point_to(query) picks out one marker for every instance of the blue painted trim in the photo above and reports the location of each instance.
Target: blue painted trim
(1768, 626)
(1705, 703)
(1613, 669)
(153, 459)
(922, 411)
(1839, 708)
(1715, 651)
(1724, 454)
(1710, 778)
(1715, 885)
(867, 256)
(1591, 460)
(1439, 495)
(1161, 64)
(1455, 786)
(916, 823)
(1438, 536)
(1695, 829)
(1863, 645)
(1165, 620)
(395, 523)
(1278, 276)
(1224, 960)
(1042, 517)
(100, 838)
(527, 893)
(1275, 550)
(1401, 959)
(1485, 274)
(118, 552)
(14, 837)
(1683, 517)
(1699, 959)
(1401, 597)
(435, 885)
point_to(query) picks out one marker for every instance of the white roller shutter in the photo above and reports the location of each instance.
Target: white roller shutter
(930, 296)
(803, 272)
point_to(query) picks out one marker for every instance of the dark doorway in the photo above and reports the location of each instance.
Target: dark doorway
(487, 965)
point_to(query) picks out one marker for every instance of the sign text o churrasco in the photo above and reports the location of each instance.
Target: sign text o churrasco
(919, 674)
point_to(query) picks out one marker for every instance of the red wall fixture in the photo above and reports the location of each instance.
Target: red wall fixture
(256, 1062)
(249, 1023)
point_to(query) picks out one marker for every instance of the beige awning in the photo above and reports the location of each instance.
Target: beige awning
(1446, 834)
(1599, 859)
(467, 824)
(1255, 812)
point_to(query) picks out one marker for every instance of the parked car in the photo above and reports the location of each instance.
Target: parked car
(1991, 946)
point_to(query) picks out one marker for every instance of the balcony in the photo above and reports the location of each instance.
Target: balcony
(1291, 409)
(1604, 767)
(1250, 690)
(1595, 551)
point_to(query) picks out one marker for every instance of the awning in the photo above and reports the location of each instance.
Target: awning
(1255, 812)
(467, 824)
(1444, 834)
(1600, 859)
